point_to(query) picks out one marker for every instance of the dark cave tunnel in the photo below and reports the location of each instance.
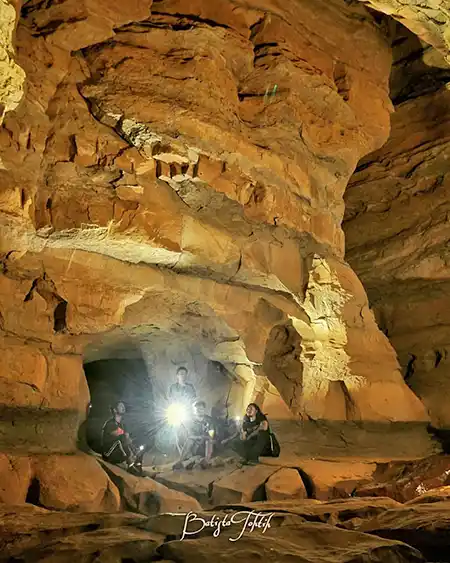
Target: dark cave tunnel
(111, 380)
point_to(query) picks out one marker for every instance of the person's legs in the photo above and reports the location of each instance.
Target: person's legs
(187, 450)
(257, 446)
(239, 446)
(128, 448)
(116, 453)
(180, 438)
(208, 449)
(178, 441)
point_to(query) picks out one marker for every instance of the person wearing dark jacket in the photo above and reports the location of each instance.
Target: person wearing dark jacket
(255, 435)
(116, 442)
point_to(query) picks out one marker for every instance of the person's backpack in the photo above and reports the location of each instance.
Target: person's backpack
(274, 445)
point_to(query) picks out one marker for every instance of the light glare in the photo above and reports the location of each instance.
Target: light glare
(176, 414)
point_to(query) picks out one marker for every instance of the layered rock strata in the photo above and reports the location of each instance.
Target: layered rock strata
(176, 171)
(34, 535)
(397, 233)
(12, 76)
(429, 19)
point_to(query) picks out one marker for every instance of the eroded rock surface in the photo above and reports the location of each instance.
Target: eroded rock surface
(429, 19)
(300, 529)
(285, 483)
(426, 527)
(349, 513)
(60, 482)
(397, 232)
(406, 481)
(293, 540)
(12, 76)
(175, 171)
(146, 495)
(289, 538)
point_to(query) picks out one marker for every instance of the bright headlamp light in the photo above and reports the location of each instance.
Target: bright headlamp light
(177, 414)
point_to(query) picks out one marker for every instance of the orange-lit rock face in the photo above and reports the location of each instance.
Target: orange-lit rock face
(176, 171)
(429, 19)
(397, 240)
(172, 125)
(12, 77)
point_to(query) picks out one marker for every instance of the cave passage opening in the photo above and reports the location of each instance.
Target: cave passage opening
(114, 379)
(143, 386)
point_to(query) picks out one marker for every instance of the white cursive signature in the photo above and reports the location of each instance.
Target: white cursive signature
(249, 521)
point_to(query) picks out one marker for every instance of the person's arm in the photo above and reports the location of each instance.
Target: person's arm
(233, 436)
(230, 438)
(262, 427)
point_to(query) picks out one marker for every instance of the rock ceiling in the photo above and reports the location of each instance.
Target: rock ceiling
(428, 19)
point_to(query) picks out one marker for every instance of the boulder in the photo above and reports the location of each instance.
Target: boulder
(434, 495)
(115, 545)
(423, 526)
(15, 478)
(29, 533)
(244, 484)
(326, 476)
(348, 513)
(74, 483)
(144, 495)
(346, 488)
(197, 483)
(406, 481)
(33, 533)
(27, 527)
(285, 484)
(291, 540)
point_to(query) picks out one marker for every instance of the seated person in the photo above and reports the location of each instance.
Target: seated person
(226, 429)
(255, 435)
(182, 391)
(200, 434)
(116, 442)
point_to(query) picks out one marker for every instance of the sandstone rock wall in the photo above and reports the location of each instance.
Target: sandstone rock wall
(44, 397)
(177, 169)
(397, 241)
(12, 77)
(429, 19)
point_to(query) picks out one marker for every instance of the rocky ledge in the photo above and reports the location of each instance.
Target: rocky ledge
(355, 530)
(285, 509)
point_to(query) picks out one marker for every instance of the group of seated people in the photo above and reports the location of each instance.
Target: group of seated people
(208, 436)
(203, 435)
